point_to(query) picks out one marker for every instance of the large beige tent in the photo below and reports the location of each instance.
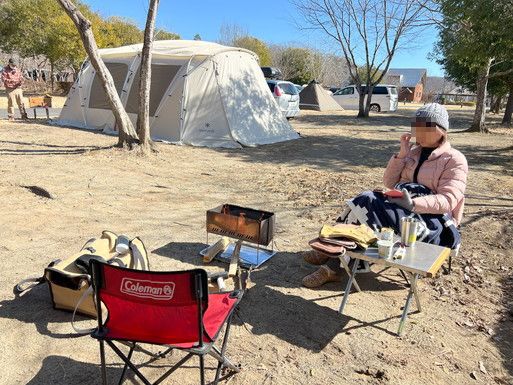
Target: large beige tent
(314, 97)
(202, 94)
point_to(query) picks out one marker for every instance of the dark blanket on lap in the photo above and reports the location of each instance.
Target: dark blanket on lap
(374, 209)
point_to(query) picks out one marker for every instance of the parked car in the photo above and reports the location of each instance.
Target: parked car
(334, 89)
(384, 98)
(287, 97)
(272, 73)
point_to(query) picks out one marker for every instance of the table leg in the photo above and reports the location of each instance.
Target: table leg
(348, 286)
(348, 271)
(47, 113)
(415, 292)
(407, 304)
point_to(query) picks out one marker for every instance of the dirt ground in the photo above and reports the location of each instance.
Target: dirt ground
(284, 333)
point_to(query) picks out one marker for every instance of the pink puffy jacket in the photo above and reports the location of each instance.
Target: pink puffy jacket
(444, 172)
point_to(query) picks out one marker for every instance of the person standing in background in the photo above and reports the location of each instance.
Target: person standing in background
(13, 80)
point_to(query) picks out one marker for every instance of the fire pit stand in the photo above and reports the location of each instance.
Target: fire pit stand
(243, 225)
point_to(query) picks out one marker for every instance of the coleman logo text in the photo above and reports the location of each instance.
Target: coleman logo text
(148, 289)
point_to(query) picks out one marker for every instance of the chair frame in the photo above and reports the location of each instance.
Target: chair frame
(202, 349)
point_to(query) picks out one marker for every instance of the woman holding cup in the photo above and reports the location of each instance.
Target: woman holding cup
(428, 177)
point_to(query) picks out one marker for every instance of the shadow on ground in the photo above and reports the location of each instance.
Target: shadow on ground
(503, 337)
(35, 307)
(481, 158)
(46, 149)
(270, 308)
(391, 121)
(330, 153)
(64, 370)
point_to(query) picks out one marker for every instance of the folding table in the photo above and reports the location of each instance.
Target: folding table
(422, 259)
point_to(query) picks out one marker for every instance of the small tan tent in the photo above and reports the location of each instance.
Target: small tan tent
(314, 97)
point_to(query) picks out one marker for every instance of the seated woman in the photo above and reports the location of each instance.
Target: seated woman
(432, 176)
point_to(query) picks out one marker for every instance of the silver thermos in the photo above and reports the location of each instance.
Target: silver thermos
(409, 228)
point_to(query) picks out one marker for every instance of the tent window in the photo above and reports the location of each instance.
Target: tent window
(97, 97)
(161, 77)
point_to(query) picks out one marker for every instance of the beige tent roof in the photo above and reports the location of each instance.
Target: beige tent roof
(178, 48)
(314, 97)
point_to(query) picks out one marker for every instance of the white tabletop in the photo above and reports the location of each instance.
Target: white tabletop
(422, 258)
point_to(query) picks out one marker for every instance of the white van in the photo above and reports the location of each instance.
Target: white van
(384, 98)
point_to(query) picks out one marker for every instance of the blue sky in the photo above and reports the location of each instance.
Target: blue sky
(271, 21)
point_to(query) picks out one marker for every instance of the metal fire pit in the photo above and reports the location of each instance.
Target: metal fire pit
(250, 225)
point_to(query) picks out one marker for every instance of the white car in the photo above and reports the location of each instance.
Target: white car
(384, 98)
(287, 97)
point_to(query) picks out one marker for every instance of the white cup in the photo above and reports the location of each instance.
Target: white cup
(385, 248)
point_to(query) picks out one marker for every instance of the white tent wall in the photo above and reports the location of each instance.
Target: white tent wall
(253, 115)
(167, 124)
(204, 119)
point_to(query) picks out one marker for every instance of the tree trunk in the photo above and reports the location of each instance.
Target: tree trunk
(363, 112)
(143, 117)
(127, 135)
(496, 105)
(51, 77)
(368, 100)
(478, 124)
(506, 120)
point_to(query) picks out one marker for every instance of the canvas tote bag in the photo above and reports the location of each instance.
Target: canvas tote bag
(68, 279)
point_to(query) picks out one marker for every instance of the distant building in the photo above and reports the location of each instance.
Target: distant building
(393, 80)
(410, 81)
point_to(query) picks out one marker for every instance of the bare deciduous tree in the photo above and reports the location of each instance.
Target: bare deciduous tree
(127, 133)
(334, 70)
(228, 33)
(369, 33)
(328, 69)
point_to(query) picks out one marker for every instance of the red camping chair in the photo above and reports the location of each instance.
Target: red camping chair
(173, 309)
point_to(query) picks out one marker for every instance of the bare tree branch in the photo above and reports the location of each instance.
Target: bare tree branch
(369, 33)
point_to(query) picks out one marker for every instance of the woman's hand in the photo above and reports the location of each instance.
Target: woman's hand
(405, 145)
(405, 201)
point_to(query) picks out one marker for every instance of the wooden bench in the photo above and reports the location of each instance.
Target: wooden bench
(36, 102)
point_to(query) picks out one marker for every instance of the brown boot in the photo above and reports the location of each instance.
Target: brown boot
(315, 257)
(24, 116)
(318, 278)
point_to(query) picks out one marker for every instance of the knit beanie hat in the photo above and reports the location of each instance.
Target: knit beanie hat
(434, 113)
